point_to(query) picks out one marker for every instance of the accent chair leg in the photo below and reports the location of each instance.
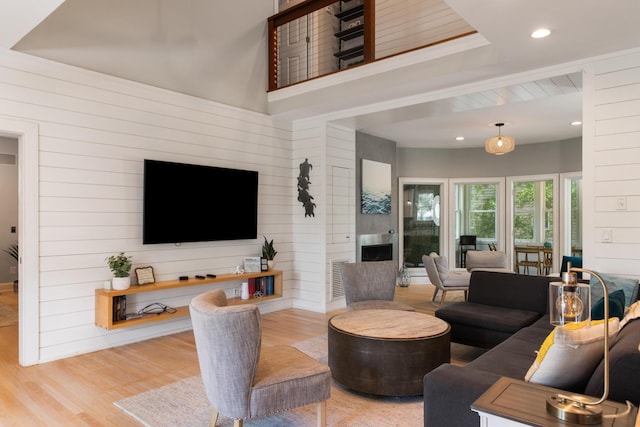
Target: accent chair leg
(237, 423)
(214, 418)
(435, 293)
(442, 298)
(322, 413)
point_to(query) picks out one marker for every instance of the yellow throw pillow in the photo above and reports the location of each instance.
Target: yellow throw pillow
(571, 353)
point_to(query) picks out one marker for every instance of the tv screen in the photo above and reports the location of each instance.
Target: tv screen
(193, 203)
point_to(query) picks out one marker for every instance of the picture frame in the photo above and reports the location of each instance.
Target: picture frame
(252, 264)
(145, 276)
(264, 266)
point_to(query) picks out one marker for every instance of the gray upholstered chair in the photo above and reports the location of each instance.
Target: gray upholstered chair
(371, 285)
(443, 279)
(243, 380)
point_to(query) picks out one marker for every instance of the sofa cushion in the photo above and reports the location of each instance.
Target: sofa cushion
(570, 354)
(490, 317)
(624, 371)
(628, 285)
(508, 290)
(616, 306)
(512, 357)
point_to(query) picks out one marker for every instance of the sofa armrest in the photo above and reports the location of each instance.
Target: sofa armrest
(449, 391)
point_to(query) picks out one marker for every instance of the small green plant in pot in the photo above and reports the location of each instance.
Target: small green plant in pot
(120, 266)
(269, 252)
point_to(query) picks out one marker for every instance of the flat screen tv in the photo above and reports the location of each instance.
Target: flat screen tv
(194, 203)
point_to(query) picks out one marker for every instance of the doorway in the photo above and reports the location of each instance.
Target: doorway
(28, 269)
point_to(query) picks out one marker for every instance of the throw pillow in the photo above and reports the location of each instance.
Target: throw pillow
(632, 313)
(628, 285)
(570, 354)
(616, 306)
(442, 265)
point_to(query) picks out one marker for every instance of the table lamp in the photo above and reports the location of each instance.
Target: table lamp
(569, 301)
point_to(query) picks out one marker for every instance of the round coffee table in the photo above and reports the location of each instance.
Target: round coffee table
(386, 352)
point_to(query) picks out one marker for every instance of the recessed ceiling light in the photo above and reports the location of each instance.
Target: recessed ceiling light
(459, 138)
(540, 33)
(576, 123)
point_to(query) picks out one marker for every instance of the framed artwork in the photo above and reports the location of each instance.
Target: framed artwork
(252, 264)
(145, 275)
(376, 187)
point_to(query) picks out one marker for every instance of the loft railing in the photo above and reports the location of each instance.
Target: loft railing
(319, 37)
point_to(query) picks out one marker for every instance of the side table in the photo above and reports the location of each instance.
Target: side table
(511, 403)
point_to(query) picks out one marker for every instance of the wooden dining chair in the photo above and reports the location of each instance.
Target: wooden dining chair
(528, 257)
(547, 260)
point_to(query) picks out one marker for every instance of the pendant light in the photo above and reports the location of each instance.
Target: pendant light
(500, 144)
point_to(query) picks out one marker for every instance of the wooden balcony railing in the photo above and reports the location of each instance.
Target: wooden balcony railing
(319, 37)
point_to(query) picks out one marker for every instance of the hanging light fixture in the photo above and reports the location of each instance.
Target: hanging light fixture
(500, 144)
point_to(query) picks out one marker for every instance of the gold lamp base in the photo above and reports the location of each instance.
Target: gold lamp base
(573, 411)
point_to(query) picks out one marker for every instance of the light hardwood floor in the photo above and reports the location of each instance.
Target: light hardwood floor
(80, 391)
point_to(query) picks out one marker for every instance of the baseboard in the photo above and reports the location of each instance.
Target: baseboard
(6, 286)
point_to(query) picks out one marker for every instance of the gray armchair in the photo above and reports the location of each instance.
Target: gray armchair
(371, 285)
(243, 380)
(443, 279)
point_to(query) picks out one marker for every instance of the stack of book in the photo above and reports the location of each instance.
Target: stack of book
(264, 285)
(119, 308)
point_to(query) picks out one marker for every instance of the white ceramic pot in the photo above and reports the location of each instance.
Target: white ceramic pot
(271, 264)
(121, 283)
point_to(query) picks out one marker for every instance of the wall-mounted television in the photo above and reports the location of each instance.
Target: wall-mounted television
(196, 203)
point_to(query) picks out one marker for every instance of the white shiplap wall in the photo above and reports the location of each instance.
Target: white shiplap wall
(94, 132)
(308, 231)
(612, 164)
(341, 227)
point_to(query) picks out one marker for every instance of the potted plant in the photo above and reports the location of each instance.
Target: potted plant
(15, 254)
(269, 252)
(120, 266)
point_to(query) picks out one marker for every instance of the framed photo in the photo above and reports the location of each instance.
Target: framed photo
(376, 187)
(252, 264)
(145, 275)
(263, 264)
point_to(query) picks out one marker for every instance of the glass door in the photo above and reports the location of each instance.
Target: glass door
(533, 215)
(478, 218)
(421, 224)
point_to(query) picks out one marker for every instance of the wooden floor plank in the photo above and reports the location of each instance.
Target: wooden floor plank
(80, 391)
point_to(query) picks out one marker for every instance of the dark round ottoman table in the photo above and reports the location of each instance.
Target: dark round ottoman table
(386, 352)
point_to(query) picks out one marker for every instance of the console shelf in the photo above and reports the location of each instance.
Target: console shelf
(105, 297)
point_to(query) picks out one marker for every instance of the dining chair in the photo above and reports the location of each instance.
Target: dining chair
(528, 257)
(547, 260)
(466, 243)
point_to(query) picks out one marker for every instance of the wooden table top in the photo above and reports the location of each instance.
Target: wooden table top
(389, 324)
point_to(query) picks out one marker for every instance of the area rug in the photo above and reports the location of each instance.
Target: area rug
(184, 403)
(8, 315)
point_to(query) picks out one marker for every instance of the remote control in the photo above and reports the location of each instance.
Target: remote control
(213, 276)
(199, 277)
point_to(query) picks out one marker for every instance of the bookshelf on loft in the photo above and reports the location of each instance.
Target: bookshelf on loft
(105, 297)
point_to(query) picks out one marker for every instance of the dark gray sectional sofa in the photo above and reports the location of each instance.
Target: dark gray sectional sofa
(510, 313)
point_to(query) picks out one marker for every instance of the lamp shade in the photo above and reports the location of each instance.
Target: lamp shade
(499, 145)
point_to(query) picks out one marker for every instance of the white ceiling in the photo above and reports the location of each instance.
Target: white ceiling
(217, 50)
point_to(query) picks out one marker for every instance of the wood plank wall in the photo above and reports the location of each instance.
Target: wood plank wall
(95, 132)
(614, 102)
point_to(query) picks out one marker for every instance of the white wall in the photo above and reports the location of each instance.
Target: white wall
(94, 132)
(611, 163)
(8, 206)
